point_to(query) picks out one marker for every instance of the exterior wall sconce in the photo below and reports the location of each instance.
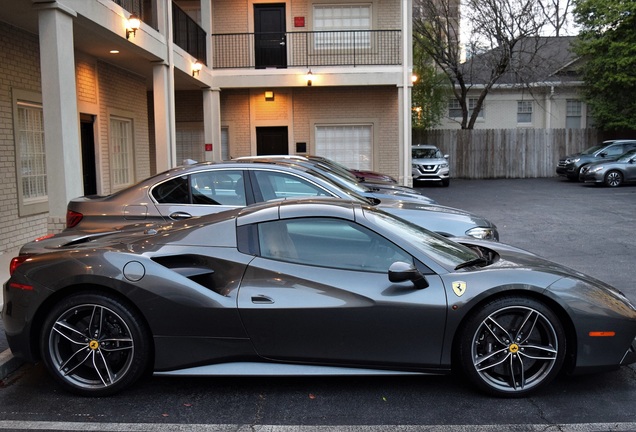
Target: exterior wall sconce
(133, 25)
(196, 68)
(413, 78)
(269, 95)
(309, 78)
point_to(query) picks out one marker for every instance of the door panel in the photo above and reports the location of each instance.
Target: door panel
(272, 140)
(269, 35)
(332, 316)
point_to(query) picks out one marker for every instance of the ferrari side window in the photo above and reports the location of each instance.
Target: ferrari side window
(328, 242)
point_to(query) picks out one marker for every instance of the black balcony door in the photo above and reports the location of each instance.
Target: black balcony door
(272, 140)
(269, 35)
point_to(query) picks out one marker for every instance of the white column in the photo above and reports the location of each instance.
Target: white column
(163, 101)
(212, 123)
(59, 101)
(405, 135)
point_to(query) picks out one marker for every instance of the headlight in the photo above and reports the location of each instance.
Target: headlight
(575, 160)
(595, 169)
(482, 233)
(444, 165)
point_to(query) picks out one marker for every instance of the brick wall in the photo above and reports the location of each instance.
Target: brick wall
(19, 69)
(123, 93)
(330, 105)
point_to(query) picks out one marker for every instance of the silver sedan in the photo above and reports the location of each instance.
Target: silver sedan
(611, 173)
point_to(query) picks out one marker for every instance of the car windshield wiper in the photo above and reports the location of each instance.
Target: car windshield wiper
(473, 262)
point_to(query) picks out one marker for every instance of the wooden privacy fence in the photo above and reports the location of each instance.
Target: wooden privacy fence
(506, 153)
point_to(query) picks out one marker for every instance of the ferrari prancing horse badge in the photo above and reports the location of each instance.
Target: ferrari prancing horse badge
(459, 288)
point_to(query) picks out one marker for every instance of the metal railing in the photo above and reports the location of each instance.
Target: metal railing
(186, 33)
(334, 48)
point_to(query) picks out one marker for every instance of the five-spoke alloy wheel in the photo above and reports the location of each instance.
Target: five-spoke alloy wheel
(512, 346)
(94, 345)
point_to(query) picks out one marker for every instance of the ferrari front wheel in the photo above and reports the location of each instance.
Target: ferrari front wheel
(94, 344)
(512, 346)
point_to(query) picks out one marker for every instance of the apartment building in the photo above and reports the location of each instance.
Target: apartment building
(98, 94)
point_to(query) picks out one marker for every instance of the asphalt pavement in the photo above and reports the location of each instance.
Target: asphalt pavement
(590, 229)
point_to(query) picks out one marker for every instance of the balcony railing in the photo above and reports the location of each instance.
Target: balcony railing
(335, 48)
(186, 33)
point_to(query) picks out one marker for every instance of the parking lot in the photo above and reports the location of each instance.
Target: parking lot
(588, 228)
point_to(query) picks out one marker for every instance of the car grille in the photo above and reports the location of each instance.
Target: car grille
(562, 163)
(427, 169)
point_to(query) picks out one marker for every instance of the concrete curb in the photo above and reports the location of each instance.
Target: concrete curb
(8, 363)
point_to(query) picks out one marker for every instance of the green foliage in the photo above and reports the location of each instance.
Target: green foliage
(607, 43)
(430, 92)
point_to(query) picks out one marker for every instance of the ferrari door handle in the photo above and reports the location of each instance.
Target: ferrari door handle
(180, 215)
(261, 299)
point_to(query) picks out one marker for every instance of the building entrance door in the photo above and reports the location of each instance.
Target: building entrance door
(270, 42)
(87, 137)
(272, 140)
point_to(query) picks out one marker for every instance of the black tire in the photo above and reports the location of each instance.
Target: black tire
(613, 178)
(94, 345)
(512, 346)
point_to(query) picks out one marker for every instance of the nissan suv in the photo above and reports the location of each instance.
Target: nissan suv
(429, 165)
(570, 166)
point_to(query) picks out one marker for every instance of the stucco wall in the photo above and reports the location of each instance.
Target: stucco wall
(500, 110)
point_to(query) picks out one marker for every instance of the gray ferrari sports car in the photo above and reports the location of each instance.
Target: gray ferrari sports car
(319, 286)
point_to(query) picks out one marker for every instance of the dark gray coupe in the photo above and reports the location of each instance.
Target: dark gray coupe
(298, 287)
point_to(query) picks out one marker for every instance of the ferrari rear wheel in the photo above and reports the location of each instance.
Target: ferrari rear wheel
(94, 345)
(512, 346)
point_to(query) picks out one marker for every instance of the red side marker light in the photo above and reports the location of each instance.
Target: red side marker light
(21, 286)
(44, 237)
(602, 333)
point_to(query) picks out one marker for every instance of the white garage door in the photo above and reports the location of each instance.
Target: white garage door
(351, 145)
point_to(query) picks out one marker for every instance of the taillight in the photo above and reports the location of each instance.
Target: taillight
(44, 237)
(16, 262)
(73, 218)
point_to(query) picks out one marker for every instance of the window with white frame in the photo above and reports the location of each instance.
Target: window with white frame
(455, 109)
(343, 25)
(573, 114)
(524, 112)
(122, 166)
(30, 153)
(350, 145)
(225, 143)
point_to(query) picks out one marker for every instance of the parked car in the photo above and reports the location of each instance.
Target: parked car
(320, 286)
(612, 173)
(205, 188)
(570, 166)
(429, 165)
(345, 179)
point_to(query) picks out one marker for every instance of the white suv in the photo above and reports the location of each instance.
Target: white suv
(428, 164)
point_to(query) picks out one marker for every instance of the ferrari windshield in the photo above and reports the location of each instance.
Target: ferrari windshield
(445, 252)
